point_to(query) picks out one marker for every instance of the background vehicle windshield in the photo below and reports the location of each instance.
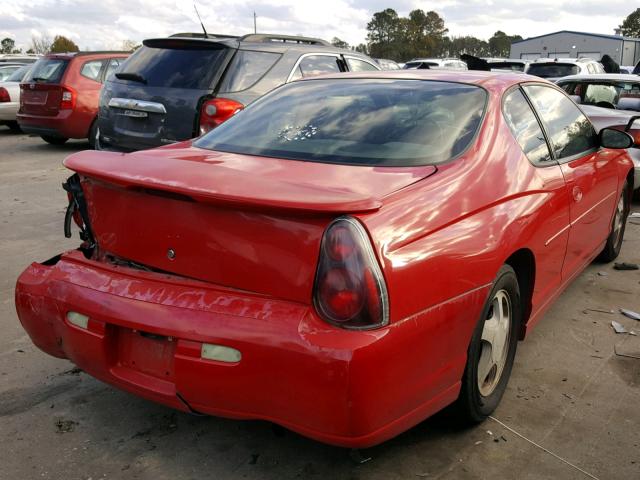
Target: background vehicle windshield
(48, 70)
(176, 67)
(357, 122)
(552, 70)
(610, 92)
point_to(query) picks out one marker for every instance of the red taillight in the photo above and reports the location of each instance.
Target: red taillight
(216, 111)
(349, 289)
(68, 98)
(635, 133)
(4, 95)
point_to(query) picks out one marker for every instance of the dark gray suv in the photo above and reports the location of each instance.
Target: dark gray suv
(180, 87)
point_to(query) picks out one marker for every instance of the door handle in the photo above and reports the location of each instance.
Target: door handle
(577, 194)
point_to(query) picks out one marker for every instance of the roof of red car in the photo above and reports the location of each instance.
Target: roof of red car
(485, 79)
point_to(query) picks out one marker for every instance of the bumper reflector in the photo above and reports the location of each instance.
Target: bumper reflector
(78, 319)
(220, 353)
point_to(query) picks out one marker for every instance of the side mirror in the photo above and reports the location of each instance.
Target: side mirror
(612, 138)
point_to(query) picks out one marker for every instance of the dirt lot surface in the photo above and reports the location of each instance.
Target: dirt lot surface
(569, 392)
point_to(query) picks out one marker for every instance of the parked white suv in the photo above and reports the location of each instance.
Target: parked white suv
(436, 64)
(554, 68)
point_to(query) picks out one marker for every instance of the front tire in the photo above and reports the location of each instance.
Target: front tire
(93, 135)
(14, 127)
(54, 140)
(612, 248)
(492, 350)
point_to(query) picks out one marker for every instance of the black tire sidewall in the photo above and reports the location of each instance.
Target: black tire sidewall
(476, 406)
(612, 248)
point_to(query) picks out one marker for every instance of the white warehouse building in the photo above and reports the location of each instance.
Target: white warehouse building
(568, 44)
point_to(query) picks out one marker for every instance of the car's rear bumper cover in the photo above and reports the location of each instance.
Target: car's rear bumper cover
(348, 388)
(65, 124)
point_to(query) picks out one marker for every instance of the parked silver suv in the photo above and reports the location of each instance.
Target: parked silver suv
(554, 68)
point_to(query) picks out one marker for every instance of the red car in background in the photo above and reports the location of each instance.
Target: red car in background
(345, 257)
(59, 99)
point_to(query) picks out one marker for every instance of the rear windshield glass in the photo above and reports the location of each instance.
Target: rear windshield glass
(19, 74)
(356, 122)
(247, 67)
(48, 70)
(176, 67)
(552, 70)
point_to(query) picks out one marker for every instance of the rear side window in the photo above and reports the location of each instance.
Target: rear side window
(313, 65)
(114, 64)
(356, 65)
(553, 70)
(246, 68)
(177, 67)
(48, 70)
(91, 69)
(356, 122)
(525, 127)
(569, 130)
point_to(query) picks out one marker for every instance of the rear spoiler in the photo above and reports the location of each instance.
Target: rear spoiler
(210, 183)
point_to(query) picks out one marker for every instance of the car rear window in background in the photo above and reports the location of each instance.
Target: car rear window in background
(314, 65)
(48, 70)
(246, 68)
(177, 67)
(552, 70)
(357, 122)
(19, 74)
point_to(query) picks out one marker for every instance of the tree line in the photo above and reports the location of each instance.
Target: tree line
(424, 34)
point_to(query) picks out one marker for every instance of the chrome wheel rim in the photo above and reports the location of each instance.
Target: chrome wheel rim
(618, 221)
(494, 344)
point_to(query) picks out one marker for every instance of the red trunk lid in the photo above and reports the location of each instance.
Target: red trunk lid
(250, 223)
(40, 99)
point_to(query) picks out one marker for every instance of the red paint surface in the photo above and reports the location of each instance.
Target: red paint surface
(246, 233)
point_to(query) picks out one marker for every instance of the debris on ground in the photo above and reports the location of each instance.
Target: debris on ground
(625, 351)
(634, 215)
(65, 426)
(630, 313)
(599, 310)
(626, 266)
(618, 327)
(603, 274)
(357, 456)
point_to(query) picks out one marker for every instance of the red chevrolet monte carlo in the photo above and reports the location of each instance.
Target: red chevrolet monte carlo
(345, 257)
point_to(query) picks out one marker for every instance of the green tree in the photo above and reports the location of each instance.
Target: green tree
(336, 42)
(500, 44)
(631, 25)
(30, 51)
(469, 45)
(384, 34)
(424, 33)
(7, 45)
(62, 44)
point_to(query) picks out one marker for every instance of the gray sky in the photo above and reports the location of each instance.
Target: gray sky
(100, 24)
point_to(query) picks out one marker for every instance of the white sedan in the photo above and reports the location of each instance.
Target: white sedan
(10, 97)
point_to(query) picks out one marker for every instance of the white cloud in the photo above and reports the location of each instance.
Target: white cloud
(105, 24)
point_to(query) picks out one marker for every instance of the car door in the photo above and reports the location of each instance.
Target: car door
(590, 173)
(360, 65)
(551, 243)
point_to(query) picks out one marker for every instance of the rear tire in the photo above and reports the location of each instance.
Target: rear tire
(612, 248)
(492, 350)
(14, 127)
(54, 140)
(93, 135)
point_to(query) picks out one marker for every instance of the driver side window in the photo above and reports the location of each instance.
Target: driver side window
(569, 131)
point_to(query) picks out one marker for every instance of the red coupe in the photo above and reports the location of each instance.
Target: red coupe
(345, 257)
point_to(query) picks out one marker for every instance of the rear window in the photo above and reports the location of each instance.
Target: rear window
(514, 66)
(552, 70)
(19, 74)
(193, 67)
(356, 122)
(246, 68)
(48, 70)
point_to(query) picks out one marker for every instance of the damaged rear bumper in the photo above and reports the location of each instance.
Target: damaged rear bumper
(145, 334)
